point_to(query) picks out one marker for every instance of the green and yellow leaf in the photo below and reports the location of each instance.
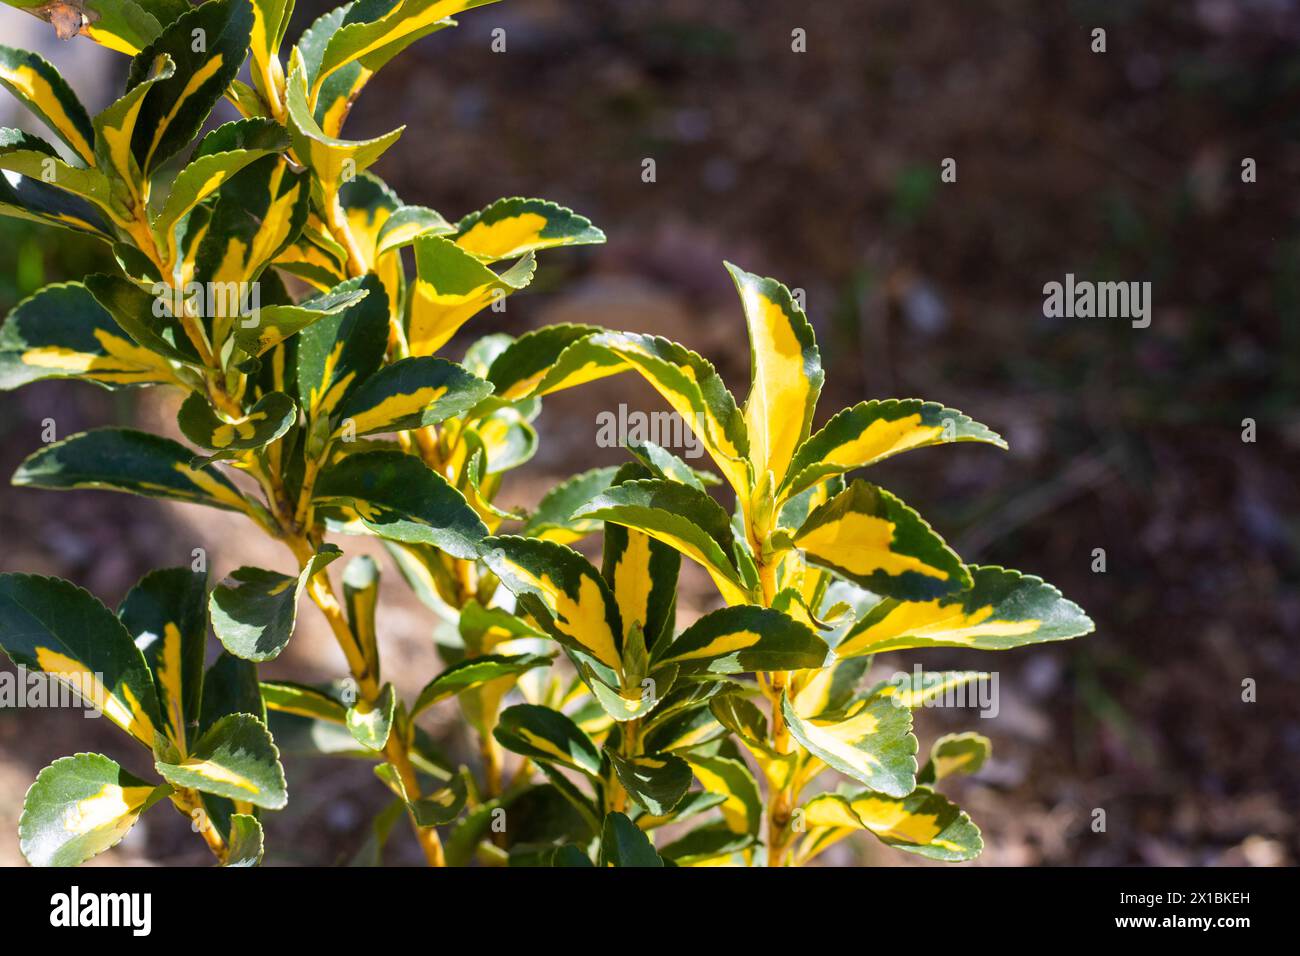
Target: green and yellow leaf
(53, 626)
(655, 781)
(63, 332)
(235, 758)
(742, 810)
(223, 153)
(138, 463)
(870, 741)
(736, 640)
(39, 87)
(115, 127)
(868, 536)
(27, 197)
(79, 807)
(175, 108)
(451, 287)
(361, 597)
(680, 516)
(549, 736)
(515, 226)
(275, 323)
(695, 391)
(398, 497)
(548, 359)
(244, 846)
(333, 160)
(922, 822)
(302, 701)
(954, 754)
(711, 845)
(476, 672)
(260, 217)
(785, 372)
(165, 614)
(1000, 610)
(873, 431)
(339, 351)
(270, 417)
(563, 592)
(370, 34)
(664, 464)
(254, 610)
(406, 224)
(642, 572)
(922, 688)
(409, 394)
(370, 724)
(749, 725)
(270, 21)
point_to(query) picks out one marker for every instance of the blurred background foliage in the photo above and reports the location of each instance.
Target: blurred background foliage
(822, 169)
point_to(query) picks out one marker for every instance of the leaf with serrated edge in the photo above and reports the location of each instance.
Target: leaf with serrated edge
(785, 371)
(81, 806)
(270, 417)
(411, 393)
(370, 724)
(244, 848)
(254, 610)
(655, 781)
(62, 332)
(38, 85)
(515, 226)
(547, 735)
(922, 822)
(138, 463)
(680, 516)
(235, 758)
(451, 287)
(873, 431)
(166, 616)
(1000, 610)
(561, 589)
(870, 741)
(400, 498)
(744, 638)
(53, 626)
(871, 538)
(955, 754)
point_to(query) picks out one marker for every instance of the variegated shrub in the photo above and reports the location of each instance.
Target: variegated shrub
(260, 271)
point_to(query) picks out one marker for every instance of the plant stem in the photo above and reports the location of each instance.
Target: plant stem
(779, 802)
(321, 592)
(491, 753)
(187, 802)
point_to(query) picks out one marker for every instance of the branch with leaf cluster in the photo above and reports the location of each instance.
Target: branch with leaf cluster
(330, 414)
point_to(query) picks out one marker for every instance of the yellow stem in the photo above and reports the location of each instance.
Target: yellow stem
(322, 595)
(338, 224)
(780, 802)
(187, 802)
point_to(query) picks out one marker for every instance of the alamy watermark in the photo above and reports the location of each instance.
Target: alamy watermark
(666, 429)
(1084, 299)
(221, 300)
(27, 688)
(980, 692)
